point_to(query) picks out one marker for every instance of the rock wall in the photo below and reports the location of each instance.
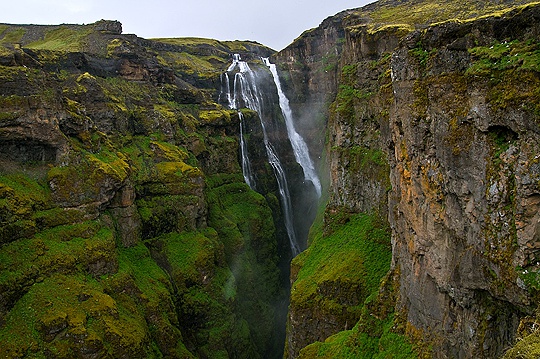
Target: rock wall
(464, 182)
(434, 130)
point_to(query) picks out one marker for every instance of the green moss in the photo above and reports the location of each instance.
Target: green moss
(165, 111)
(206, 288)
(64, 311)
(519, 55)
(370, 162)
(113, 45)
(212, 116)
(526, 348)
(399, 30)
(168, 151)
(346, 98)
(142, 287)
(191, 254)
(358, 344)
(20, 196)
(80, 310)
(422, 12)
(85, 180)
(13, 36)
(237, 46)
(244, 223)
(510, 70)
(64, 38)
(460, 137)
(191, 64)
(161, 167)
(356, 256)
(166, 213)
(173, 171)
(75, 109)
(84, 247)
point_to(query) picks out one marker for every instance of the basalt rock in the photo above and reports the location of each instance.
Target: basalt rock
(432, 131)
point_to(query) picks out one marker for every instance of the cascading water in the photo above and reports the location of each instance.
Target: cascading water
(246, 164)
(245, 93)
(301, 151)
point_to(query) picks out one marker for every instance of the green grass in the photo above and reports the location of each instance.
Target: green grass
(359, 344)
(63, 39)
(356, 256)
(190, 253)
(501, 56)
(244, 224)
(13, 36)
(419, 12)
(346, 99)
(20, 196)
(193, 42)
(527, 347)
(510, 70)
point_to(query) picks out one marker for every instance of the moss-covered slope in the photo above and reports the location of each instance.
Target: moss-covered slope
(126, 228)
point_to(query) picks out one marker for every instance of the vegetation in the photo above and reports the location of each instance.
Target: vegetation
(510, 68)
(420, 13)
(63, 38)
(362, 260)
(354, 259)
(379, 340)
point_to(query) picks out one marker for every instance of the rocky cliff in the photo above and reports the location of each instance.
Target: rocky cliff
(433, 130)
(126, 228)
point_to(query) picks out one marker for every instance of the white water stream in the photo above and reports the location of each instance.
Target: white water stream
(245, 93)
(300, 148)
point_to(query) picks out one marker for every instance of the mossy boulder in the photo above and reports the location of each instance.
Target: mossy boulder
(88, 179)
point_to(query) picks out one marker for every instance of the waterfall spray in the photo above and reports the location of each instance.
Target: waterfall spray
(246, 164)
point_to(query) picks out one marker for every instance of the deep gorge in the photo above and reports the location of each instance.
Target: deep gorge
(142, 215)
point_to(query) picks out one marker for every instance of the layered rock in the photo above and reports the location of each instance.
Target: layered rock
(434, 129)
(464, 183)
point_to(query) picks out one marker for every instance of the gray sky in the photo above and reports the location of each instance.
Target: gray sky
(274, 23)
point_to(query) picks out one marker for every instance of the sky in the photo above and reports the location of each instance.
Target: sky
(274, 23)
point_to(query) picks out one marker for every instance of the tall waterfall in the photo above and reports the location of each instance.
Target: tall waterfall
(246, 164)
(246, 93)
(300, 148)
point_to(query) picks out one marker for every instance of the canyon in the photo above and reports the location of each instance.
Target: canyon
(143, 211)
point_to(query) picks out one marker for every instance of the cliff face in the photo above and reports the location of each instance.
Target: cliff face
(126, 228)
(465, 183)
(436, 130)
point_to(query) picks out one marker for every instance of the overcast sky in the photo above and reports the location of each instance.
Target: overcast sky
(274, 23)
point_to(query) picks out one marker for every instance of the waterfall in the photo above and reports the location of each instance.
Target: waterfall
(300, 148)
(225, 85)
(246, 163)
(245, 93)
